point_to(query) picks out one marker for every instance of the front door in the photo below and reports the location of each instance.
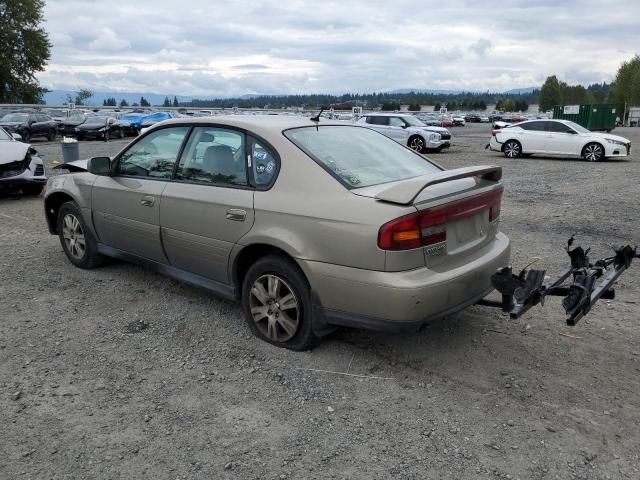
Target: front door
(398, 130)
(209, 205)
(562, 139)
(126, 205)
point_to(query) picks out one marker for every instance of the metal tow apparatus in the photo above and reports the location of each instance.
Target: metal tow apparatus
(589, 283)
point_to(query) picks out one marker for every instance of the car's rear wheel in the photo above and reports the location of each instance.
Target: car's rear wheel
(276, 301)
(512, 149)
(32, 190)
(77, 240)
(51, 136)
(416, 143)
(593, 152)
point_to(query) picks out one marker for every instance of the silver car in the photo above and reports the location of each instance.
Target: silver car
(310, 224)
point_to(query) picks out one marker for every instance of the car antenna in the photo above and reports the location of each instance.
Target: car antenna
(317, 117)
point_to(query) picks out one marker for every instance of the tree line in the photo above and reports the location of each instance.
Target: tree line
(453, 101)
(624, 90)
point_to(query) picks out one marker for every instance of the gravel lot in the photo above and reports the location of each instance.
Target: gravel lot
(86, 394)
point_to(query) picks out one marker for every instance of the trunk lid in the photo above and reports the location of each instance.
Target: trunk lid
(456, 215)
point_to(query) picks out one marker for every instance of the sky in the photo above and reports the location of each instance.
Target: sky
(210, 48)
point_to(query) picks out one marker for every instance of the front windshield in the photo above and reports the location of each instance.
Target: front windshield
(15, 117)
(413, 121)
(359, 157)
(56, 113)
(578, 128)
(4, 135)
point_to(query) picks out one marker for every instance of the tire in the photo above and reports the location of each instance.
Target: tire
(26, 136)
(267, 282)
(593, 152)
(32, 190)
(106, 136)
(71, 228)
(51, 136)
(512, 149)
(417, 144)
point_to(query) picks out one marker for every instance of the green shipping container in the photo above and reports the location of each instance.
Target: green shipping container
(600, 116)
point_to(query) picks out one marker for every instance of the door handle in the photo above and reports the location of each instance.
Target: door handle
(147, 201)
(236, 214)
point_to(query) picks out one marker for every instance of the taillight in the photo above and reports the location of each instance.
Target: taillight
(429, 226)
(494, 132)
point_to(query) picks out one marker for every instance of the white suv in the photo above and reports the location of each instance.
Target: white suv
(408, 130)
(557, 137)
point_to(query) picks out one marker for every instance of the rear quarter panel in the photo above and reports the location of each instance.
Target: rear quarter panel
(311, 216)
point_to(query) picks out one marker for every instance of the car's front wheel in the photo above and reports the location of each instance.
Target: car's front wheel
(416, 143)
(512, 149)
(276, 301)
(77, 240)
(593, 152)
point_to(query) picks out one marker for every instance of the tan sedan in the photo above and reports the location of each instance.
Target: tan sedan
(309, 224)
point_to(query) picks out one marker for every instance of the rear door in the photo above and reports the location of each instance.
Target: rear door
(380, 123)
(126, 205)
(533, 136)
(209, 205)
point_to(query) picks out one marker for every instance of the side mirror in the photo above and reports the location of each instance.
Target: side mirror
(100, 166)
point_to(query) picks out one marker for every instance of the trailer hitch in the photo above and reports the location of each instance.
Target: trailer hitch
(589, 283)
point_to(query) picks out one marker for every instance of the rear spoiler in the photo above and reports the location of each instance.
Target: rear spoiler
(405, 192)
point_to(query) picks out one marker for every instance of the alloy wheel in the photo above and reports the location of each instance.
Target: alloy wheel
(512, 150)
(274, 308)
(416, 144)
(73, 236)
(593, 152)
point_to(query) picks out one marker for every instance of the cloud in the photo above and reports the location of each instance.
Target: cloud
(108, 41)
(268, 46)
(481, 46)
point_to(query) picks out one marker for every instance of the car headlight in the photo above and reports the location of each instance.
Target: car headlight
(434, 137)
(615, 142)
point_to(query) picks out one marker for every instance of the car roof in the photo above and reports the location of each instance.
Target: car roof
(388, 114)
(260, 124)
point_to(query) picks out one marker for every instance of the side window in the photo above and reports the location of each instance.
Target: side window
(154, 155)
(396, 122)
(533, 126)
(264, 164)
(558, 127)
(378, 120)
(215, 156)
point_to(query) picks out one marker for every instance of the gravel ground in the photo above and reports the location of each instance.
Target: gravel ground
(122, 373)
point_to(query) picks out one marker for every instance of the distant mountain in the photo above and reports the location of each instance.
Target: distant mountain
(58, 97)
(518, 91)
(424, 90)
(514, 91)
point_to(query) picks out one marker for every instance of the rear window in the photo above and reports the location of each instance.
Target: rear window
(359, 157)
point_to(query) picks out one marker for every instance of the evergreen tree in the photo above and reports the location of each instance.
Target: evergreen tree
(550, 94)
(175, 102)
(124, 103)
(25, 50)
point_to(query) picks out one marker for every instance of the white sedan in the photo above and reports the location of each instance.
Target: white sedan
(557, 137)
